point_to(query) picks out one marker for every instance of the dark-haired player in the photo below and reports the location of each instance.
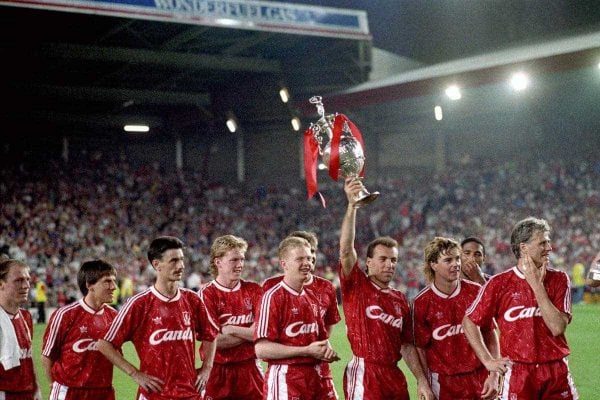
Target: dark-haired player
(73, 365)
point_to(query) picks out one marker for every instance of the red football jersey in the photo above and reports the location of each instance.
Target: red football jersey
(237, 306)
(377, 320)
(524, 337)
(323, 289)
(290, 318)
(163, 331)
(437, 324)
(270, 282)
(21, 378)
(70, 341)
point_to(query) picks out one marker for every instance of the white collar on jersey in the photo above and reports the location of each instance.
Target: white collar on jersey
(163, 297)
(291, 290)
(225, 288)
(518, 273)
(90, 309)
(444, 295)
(381, 289)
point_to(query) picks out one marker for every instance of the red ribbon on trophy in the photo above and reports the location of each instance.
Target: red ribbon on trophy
(311, 152)
(334, 161)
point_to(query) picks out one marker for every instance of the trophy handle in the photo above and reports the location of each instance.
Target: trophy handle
(364, 198)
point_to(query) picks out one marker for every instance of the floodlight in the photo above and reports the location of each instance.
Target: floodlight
(136, 128)
(453, 92)
(519, 81)
(437, 110)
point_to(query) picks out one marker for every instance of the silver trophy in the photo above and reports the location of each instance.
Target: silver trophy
(351, 154)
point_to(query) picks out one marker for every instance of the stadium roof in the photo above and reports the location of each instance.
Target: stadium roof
(85, 73)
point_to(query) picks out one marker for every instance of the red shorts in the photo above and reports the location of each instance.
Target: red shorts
(293, 381)
(242, 380)
(157, 396)
(370, 381)
(549, 381)
(62, 392)
(327, 381)
(467, 386)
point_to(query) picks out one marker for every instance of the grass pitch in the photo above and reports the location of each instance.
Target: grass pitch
(582, 335)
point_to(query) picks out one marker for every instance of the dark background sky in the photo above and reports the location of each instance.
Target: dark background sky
(435, 31)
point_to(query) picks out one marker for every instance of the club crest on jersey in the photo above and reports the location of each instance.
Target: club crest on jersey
(315, 309)
(157, 320)
(397, 308)
(248, 303)
(187, 320)
(83, 329)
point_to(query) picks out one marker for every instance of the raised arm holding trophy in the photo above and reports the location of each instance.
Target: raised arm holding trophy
(340, 144)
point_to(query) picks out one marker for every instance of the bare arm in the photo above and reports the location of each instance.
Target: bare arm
(412, 359)
(422, 359)
(227, 341)
(320, 350)
(491, 384)
(241, 332)
(47, 367)
(348, 254)
(233, 335)
(148, 382)
(209, 348)
(475, 338)
(554, 319)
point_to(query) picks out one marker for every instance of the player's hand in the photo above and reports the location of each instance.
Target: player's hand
(330, 355)
(472, 271)
(150, 383)
(321, 350)
(533, 275)
(38, 394)
(202, 377)
(490, 386)
(352, 187)
(424, 391)
(499, 365)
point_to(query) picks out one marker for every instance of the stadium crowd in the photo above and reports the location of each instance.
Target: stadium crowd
(55, 216)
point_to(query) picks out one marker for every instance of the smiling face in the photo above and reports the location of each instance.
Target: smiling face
(447, 267)
(230, 267)
(296, 263)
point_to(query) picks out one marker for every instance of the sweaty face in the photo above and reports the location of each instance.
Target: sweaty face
(447, 266)
(104, 289)
(382, 265)
(15, 288)
(474, 251)
(170, 266)
(230, 265)
(538, 247)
